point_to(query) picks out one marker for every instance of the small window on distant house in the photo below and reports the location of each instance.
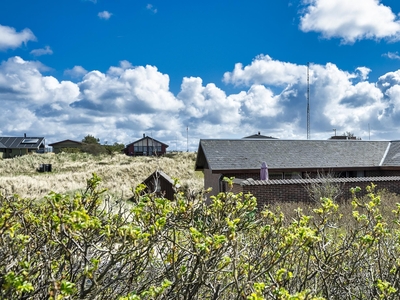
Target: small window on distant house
(292, 175)
(275, 175)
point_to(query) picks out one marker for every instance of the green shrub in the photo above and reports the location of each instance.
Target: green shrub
(87, 246)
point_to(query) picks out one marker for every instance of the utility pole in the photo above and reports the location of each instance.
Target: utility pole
(308, 101)
(187, 139)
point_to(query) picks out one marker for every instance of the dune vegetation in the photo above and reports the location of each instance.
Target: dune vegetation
(120, 173)
(80, 242)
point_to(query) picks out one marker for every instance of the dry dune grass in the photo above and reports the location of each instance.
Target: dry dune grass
(119, 173)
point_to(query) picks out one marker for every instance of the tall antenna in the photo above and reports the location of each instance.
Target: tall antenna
(308, 101)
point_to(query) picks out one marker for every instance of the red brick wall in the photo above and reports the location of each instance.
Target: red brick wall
(297, 192)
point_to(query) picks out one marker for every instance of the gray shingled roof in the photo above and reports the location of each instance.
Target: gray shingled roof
(392, 157)
(296, 154)
(63, 141)
(17, 142)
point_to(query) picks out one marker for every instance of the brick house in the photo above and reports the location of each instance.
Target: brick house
(146, 146)
(18, 146)
(295, 160)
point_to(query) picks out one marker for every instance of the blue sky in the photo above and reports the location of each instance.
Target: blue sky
(210, 69)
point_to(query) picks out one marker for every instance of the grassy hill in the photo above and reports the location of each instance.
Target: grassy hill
(119, 173)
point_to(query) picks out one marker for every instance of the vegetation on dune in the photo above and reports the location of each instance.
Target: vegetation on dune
(89, 246)
(120, 173)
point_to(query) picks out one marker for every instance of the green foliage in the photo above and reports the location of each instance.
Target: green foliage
(94, 149)
(92, 146)
(87, 246)
(90, 139)
(113, 149)
(71, 150)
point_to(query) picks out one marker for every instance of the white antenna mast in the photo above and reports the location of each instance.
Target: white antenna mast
(308, 101)
(187, 138)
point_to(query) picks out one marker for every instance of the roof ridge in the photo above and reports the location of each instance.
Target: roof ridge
(385, 154)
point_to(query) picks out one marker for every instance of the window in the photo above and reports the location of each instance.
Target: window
(275, 175)
(29, 141)
(292, 175)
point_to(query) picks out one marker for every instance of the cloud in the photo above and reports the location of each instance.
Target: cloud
(392, 55)
(127, 101)
(350, 20)
(207, 103)
(105, 15)
(264, 70)
(151, 8)
(363, 72)
(11, 39)
(43, 51)
(344, 100)
(76, 72)
(93, 1)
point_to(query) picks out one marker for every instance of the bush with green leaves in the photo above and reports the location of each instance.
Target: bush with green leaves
(88, 246)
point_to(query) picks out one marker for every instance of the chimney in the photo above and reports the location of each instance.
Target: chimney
(24, 135)
(144, 135)
(258, 133)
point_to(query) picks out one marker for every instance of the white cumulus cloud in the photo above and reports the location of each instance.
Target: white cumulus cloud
(350, 20)
(127, 101)
(76, 72)
(105, 15)
(392, 55)
(265, 70)
(11, 39)
(42, 51)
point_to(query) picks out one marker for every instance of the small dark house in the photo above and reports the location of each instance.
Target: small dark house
(160, 184)
(65, 144)
(18, 146)
(146, 146)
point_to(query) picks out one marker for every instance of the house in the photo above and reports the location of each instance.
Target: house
(293, 160)
(146, 146)
(65, 144)
(258, 136)
(17, 146)
(160, 184)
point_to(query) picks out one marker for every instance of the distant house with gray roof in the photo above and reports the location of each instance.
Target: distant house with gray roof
(258, 136)
(146, 146)
(18, 146)
(59, 147)
(294, 159)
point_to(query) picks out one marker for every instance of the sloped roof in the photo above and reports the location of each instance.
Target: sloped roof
(244, 154)
(147, 137)
(65, 141)
(21, 142)
(157, 174)
(259, 136)
(392, 157)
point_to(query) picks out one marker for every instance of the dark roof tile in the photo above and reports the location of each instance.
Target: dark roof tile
(248, 154)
